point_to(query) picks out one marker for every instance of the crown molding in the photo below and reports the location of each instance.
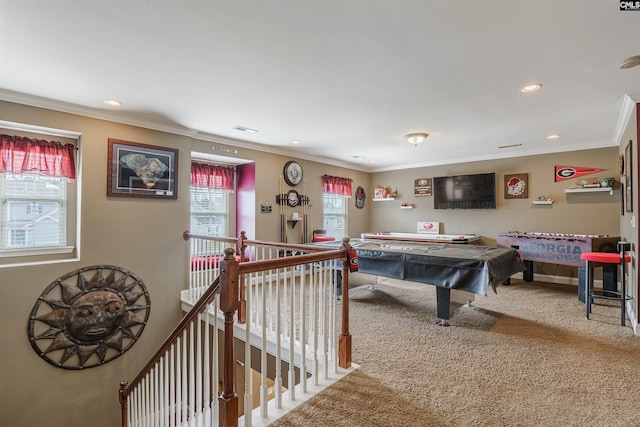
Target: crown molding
(94, 113)
(628, 107)
(65, 107)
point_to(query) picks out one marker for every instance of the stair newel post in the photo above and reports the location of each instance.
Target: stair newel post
(344, 342)
(228, 400)
(124, 407)
(242, 310)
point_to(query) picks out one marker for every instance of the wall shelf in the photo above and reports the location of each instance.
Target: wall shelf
(542, 202)
(407, 207)
(590, 190)
(384, 199)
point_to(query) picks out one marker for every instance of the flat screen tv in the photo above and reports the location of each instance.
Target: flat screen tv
(476, 191)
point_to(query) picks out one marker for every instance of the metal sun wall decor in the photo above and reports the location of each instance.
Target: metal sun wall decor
(89, 317)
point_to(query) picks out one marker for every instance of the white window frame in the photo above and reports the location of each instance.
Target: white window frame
(206, 212)
(327, 199)
(70, 251)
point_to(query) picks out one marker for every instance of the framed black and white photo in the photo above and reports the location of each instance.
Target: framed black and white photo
(142, 170)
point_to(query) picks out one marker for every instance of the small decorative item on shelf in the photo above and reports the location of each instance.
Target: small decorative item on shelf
(406, 206)
(543, 200)
(606, 182)
(596, 183)
(384, 193)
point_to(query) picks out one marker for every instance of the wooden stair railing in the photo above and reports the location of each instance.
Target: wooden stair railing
(228, 285)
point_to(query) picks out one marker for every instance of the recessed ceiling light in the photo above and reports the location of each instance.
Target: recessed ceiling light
(531, 87)
(359, 157)
(246, 129)
(553, 136)
(630, 62)
(113, 102)
(372, 161)
(295, 141)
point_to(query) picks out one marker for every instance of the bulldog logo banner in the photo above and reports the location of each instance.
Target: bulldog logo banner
(569, 172)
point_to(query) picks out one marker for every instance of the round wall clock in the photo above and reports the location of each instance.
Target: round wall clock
(292, 173)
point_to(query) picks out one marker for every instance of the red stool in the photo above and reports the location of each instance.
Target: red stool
(597, 259)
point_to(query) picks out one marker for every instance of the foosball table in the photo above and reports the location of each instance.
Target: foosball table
(564, 249)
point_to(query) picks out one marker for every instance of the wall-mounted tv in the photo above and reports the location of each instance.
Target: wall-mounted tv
(476, 191)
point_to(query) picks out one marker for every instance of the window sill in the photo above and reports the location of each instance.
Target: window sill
(54, 250)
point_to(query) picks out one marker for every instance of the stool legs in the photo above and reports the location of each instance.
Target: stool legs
(590, 293)
(588, 279)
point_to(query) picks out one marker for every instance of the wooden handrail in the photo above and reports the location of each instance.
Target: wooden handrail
(246, 242)
(228, 285)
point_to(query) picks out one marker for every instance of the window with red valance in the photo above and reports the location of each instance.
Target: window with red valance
(336, 185)
(212, 176)
(38, 194)
(25, 155)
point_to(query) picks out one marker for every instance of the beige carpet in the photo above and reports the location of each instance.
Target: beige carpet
(523, 357)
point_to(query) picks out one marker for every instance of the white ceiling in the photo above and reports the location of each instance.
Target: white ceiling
(345, 77)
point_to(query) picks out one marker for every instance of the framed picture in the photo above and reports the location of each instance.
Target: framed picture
(628, 163)
(516, 186)
(141, 170)
(422, 187)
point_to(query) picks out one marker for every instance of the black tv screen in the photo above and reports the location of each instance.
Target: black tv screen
(465, 191)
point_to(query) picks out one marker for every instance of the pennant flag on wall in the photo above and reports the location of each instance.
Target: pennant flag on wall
(568, 172)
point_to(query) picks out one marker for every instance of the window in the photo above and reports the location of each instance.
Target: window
(38, 195)
(209, 211)
(33, 210)
(210, 188)
(335, 194)
(335, 215)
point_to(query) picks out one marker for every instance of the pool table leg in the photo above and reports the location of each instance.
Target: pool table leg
(443, 301)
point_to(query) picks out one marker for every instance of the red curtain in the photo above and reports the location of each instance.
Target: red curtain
(212, 176)
(24, 155)
(336, 185)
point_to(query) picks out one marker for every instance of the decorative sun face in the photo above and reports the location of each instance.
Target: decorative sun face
(95, 313)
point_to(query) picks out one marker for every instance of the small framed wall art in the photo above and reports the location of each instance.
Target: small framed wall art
(142, 170)
(516, 186)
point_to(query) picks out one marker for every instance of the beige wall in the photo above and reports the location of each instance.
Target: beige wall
(141, 235)
(145, 236)
(570, 213)
(136, 234)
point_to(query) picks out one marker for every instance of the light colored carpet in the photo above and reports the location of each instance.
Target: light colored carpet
(525, 356)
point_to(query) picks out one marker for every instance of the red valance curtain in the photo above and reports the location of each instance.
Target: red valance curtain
(212, 176)
(24, 155)
(336, 185)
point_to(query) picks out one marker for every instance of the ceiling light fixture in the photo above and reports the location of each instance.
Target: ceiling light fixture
(416, 138)
(531, 87)
(553, 136)
(630, 62)
(295, 141)
(113, 102)
(359, 157)
(246, 129)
